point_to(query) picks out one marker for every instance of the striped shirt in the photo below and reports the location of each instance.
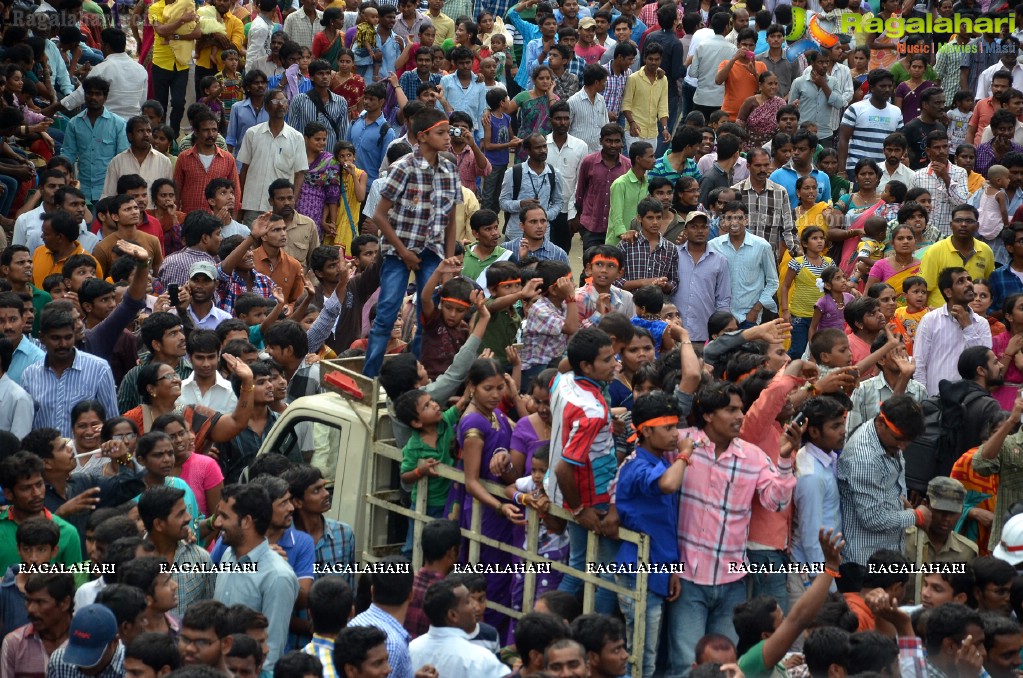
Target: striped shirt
(587, 118)
(718, 492)
(88, 378)
(302, 111)
(23, 653)
(397, 639)
(177, 266)
(871, 485)
(939, 341)
(581, 437)
(870, 125)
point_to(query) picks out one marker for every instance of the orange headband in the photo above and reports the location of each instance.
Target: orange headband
(435, 125)
(895, 429)
(567, 276)
(657, 421)
(513, 281)
(747, 375)
(456, 302)
(601, 257)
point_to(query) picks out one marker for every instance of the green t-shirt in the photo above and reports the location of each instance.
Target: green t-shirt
(69, 547)
(415, 449)
(501, 331)
(752, 664)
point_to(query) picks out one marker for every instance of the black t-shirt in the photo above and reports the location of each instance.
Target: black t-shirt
(916, 133)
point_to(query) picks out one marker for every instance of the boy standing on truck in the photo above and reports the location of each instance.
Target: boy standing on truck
(423, 189)
(433, 432)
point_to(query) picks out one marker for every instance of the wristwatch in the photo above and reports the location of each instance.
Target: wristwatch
(176, 36)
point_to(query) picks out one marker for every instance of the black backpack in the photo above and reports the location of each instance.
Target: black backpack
(517, 185)
(934, 452)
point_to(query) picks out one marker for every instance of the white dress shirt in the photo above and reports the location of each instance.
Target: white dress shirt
(449, 651)
(16, 408)
(984, 81)
(210, 320)
(566, 160)
(938, 343)
(129, 84)
(220, 397)
(155, 166)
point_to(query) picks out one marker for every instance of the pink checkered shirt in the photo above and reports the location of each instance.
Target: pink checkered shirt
(717, 500)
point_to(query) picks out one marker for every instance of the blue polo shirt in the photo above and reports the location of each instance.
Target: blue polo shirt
(297, 544)
(644, 508)
(371, 141)
(786, 177)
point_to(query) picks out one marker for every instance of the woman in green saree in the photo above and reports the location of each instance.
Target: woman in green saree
(329, 43)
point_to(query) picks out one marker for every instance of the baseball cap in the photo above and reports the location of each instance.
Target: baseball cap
(204, 267)
(945, 494)
(697, 213)
(93, 628)
(1010, 547)
(587, 22)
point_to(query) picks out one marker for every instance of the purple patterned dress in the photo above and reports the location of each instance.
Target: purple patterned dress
(321, 187)
(496, 435)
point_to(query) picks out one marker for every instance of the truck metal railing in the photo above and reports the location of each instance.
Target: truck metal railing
(383, 500)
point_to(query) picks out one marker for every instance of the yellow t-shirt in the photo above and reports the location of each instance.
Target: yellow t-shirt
(169, 54)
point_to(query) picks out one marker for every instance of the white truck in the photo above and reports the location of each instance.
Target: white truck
(346, 433)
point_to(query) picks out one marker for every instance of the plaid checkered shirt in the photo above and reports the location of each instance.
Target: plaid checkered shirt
(423, 196)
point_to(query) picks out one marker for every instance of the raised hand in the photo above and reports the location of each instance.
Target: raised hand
(130, 249)
(260, 227)
(238, 367)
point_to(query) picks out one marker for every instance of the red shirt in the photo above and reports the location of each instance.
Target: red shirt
(191, 178)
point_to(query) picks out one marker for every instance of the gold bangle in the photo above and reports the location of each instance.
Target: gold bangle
(249, 389)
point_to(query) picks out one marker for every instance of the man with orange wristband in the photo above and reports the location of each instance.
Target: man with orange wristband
(872, 481)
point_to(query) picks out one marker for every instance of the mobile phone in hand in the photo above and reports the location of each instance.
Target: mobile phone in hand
(172, 291)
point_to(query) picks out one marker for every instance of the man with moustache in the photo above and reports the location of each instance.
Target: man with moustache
(751, 266)
(270, 585)
(303, 235)
(944, 333)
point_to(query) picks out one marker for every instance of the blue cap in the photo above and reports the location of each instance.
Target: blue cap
(93, 628)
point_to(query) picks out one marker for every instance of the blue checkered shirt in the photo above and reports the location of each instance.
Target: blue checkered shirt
(337, 545)
(397, 639)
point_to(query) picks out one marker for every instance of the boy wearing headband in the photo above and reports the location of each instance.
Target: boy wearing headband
(444, 326)
(647, 500)
(602, 265)
(505, 282)
(416, 216)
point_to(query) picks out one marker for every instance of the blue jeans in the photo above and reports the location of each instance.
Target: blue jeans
(800, 333)
(774, 585)
(654, 612)
(698, 611)
(433, 512)
(393, 282)
(10, 189)
(607, 551)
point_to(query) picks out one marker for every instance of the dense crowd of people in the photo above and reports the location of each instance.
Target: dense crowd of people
(788, 348)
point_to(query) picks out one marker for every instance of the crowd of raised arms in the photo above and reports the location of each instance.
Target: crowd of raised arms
(671, 268)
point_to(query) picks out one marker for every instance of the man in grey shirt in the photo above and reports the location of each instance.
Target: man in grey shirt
(262, 580)
(705, 61)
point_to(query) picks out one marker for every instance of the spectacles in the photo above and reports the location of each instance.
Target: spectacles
(199, 643)
(124, 437)
(964, 221)
(169, 377)
(733, 217)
